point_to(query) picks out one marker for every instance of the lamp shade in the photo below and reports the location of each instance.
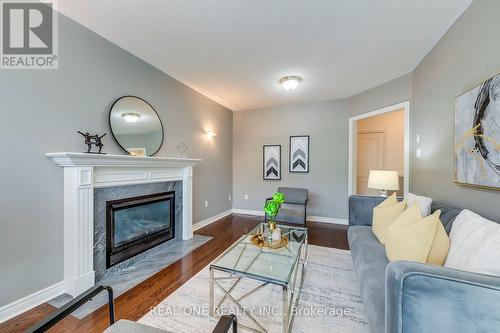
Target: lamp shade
(383, 180)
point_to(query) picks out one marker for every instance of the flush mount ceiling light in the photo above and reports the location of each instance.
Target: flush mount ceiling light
(131, 117)
(290, 82)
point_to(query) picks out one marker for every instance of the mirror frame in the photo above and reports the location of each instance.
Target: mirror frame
(113, 134)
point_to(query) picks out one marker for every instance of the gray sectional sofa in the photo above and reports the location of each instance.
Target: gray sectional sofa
(410, 297)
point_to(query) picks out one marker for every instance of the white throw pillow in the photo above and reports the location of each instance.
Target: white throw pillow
(424, 203)
(475, 244)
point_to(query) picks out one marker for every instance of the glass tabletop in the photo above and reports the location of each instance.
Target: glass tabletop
(269, 265)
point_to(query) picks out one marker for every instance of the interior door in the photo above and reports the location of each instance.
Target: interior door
(371, 155)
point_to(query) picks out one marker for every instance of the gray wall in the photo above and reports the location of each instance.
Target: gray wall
(466, 55)
(326, 123)
(389, 93)
(41, 111)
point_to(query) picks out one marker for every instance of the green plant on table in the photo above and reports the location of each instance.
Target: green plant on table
(272, 208)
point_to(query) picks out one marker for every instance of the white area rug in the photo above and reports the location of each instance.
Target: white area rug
(329, 301)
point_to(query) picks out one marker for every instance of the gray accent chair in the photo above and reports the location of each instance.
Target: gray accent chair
(409, 297)
(294, 210)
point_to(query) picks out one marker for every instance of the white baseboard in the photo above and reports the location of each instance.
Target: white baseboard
(248, 212)
(212, 219)
(29, 302)
(321, 219)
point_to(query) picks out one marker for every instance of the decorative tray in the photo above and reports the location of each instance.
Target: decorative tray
(259, 240)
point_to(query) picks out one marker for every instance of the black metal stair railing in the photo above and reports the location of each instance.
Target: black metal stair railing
(223, 326)
(68, 308)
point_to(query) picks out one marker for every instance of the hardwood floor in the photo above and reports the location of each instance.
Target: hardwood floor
(136, 302)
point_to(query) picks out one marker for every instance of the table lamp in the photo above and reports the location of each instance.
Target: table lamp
(383, 180)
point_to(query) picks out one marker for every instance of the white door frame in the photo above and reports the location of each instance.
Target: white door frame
(352, 143)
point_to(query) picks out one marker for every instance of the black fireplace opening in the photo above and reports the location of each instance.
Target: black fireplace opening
(134, 225)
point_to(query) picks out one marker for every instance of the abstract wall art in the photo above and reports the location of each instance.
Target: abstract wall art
(477, 135)
(299, 154)
(272, 162)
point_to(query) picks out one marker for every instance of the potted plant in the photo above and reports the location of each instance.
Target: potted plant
(272, 208)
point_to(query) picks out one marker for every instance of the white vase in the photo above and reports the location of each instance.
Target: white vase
(276, 235)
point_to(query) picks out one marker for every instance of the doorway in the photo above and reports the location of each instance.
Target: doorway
(371, 155)
(379, 140)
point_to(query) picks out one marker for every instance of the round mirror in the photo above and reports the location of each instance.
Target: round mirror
(136, 126)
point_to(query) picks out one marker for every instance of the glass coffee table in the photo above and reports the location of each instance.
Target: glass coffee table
(284, 267)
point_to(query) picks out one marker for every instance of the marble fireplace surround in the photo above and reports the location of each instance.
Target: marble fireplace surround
(105, 194)
(85, 172)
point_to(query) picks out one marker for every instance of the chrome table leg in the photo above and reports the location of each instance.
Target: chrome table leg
(285, 309)
(212, 296)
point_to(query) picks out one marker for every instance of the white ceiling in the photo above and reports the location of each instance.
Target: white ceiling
(235, 51)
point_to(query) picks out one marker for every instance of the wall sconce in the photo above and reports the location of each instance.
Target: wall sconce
(210, 134)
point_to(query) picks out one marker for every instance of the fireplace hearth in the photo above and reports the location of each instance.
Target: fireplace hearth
(136, 224)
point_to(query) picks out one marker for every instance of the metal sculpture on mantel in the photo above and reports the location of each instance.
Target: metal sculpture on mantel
(95, 140)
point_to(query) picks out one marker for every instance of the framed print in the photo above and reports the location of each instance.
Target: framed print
(477, 135)
(272, 162)
(299, 154)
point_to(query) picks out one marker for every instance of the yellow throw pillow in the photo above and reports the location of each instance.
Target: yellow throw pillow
(409, 216)
(384, 214)
(410, 238)
(391, 200)
(440, 246)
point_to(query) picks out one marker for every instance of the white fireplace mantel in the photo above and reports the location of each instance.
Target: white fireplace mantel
(84, 172)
